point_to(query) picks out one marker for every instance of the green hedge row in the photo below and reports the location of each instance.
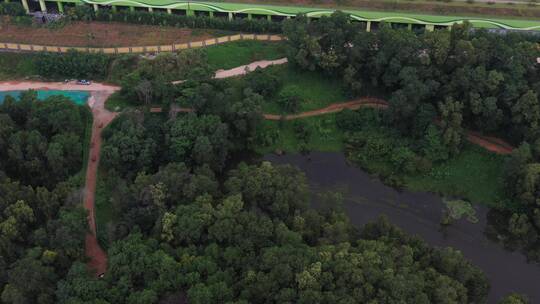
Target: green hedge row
(73, 64)
(12, 9)
(163, 19)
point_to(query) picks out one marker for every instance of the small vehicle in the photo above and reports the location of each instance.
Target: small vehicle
(83, 82)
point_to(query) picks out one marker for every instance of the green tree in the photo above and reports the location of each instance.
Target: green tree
(514, 299)
(451, 119)
(290, 99)
(526, 114)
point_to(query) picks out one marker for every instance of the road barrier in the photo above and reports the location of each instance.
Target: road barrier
(137, 49)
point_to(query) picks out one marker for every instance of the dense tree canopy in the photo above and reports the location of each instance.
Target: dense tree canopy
(490, 81)
(41, 141)
(438, 84)
(42, 224)
(190, 223)
(258, 242)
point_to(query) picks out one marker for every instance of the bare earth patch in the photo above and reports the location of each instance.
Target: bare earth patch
(100, 34)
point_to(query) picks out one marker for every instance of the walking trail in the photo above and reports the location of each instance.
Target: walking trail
(492, 144)
(489, 143)
(243, 69)
(102, 117)
(333, 108)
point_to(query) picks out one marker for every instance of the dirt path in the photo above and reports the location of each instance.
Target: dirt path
(333, 108)
(243, 69)
(102, 117)
(489, 143)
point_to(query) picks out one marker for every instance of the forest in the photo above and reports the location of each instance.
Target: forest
(42, 222)
(191, 218)
(246, 234)
(438, 85)
(188, 228)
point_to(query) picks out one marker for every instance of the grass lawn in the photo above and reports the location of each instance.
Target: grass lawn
(324, 135)
(475, 175)
(116, 103)
(233, 54)
(16, 66)
(316, 89)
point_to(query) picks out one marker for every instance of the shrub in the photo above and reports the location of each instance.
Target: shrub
(290, 99)
(12, 9)
(302, 131)
(81, 13)
(164, 19)
(348, 120)
(403, 159)
(263, 82)
(73, 64)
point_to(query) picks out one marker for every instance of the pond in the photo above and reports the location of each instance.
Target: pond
(78, 97)
(366, 198)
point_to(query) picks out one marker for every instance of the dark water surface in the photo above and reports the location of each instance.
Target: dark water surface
(419, 213)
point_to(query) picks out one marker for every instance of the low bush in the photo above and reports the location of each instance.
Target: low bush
(290, 99)
(263, 82)
(12, 9)
(73, 64)
(164, 19)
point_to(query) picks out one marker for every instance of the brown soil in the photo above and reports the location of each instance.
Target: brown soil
(102, 117)
(333, 108)
(100, 34)
(489, 143)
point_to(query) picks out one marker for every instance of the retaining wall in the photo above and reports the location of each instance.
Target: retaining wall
(137, 49)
